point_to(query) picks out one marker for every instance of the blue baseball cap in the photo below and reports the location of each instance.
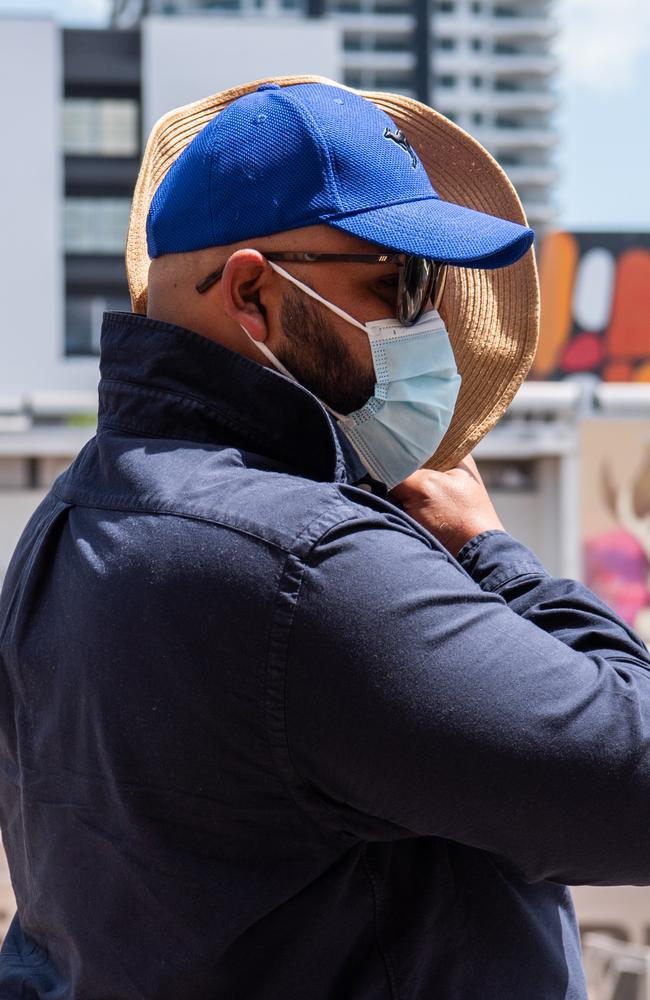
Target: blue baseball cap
(282, 158)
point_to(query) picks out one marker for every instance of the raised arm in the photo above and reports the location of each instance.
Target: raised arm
(492, 704)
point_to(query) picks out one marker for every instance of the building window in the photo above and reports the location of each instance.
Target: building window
(476, 8)
(96, 225)
(445, 6)
(477, 118)
(445, 43)
(352, 78)
(477, 44)
(83, 321)
(391, 43)
(477, 81)
(388, 7)
(390, 81)
(445, 81)
(100, 127)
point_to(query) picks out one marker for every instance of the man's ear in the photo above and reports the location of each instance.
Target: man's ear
(244, 284)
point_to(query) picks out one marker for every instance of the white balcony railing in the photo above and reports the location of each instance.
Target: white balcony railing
(524, 174)
(497, 65)
(466, 100)
(497, 139)
(538, 213)
(394, 24)
(385, 61)
(460, 26)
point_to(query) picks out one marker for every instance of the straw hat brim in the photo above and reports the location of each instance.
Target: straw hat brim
(492, 315)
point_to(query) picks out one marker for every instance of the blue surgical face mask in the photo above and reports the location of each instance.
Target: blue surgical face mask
(417, 384)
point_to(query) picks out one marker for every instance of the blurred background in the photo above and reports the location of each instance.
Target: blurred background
(557, 90)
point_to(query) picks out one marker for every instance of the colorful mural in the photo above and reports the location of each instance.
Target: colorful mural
(615, 489)
(595, 292)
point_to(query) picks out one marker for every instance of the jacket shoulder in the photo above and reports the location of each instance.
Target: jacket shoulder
(219, 486)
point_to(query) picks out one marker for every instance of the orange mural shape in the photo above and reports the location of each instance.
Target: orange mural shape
(617, 371)
(558, 262)
(628, 336)
(642, 373)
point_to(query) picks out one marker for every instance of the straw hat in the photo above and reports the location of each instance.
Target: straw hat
(492, 315)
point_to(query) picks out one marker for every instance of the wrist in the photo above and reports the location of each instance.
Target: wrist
(455, 540)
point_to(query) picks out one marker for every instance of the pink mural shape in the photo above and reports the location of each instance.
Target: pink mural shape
(616, 569)
(583, 353)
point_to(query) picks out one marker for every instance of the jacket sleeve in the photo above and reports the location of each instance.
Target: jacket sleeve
(478, 699)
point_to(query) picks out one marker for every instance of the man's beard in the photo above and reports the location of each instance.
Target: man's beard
(318, 357)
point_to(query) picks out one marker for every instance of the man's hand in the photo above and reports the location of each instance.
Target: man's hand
(454, 506)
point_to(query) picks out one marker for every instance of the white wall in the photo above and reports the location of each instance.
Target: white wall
(31, 252)
(185, 59)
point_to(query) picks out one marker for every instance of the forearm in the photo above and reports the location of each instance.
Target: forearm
(561, 607)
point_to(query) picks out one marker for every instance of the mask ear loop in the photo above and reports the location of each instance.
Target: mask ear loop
(269, 354)
(314, 295)
(285, 371)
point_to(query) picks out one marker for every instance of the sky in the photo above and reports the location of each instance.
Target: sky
(603, 120)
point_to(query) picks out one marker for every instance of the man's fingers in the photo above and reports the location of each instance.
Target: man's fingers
(418, 484)
(424, 481)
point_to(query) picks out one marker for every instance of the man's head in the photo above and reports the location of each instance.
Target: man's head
(305, 166)
(309, 168)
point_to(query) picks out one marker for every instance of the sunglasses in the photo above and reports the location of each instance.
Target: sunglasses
(419, 279)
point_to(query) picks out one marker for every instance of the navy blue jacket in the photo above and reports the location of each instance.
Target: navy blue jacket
(263, 738)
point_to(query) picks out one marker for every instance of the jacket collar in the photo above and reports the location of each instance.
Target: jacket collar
(161, 379)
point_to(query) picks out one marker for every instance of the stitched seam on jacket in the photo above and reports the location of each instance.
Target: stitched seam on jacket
(119, 505)
(226, 416)
(16, 599)
(297, 776)
(138, 430)
(468, 548)
(390, 972)
(275, 673)
(495, 584)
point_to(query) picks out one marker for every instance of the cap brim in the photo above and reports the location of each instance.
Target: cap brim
(441, 231)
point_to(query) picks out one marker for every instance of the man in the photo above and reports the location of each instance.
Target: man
(267, 732)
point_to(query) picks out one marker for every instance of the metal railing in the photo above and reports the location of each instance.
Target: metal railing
(615, 969)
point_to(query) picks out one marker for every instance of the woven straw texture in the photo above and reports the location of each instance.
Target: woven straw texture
(492, 315)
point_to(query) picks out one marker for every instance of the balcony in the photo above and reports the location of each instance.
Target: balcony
(521, 100)
(499, 139)
(463, 26)
(374, 24)
(521, 27)
(384, 61)
(531, 174)
(524, 65)
(538, 213)
(466, 100)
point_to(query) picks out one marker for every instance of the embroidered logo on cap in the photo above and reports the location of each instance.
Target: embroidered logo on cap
(402, 141)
